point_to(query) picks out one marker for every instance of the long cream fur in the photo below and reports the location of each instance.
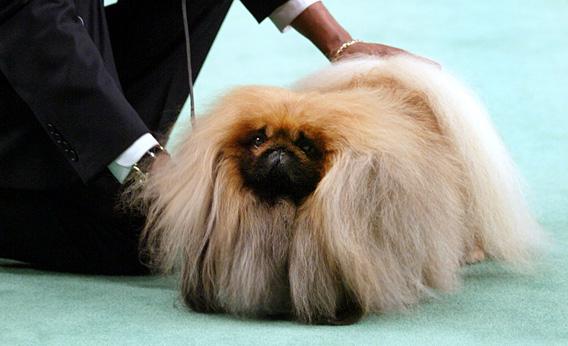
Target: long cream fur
(416, 178)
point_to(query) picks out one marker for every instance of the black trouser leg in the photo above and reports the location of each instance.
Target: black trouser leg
(76, 229)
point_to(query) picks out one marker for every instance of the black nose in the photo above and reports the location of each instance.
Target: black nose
(279, 173)
(278, 157)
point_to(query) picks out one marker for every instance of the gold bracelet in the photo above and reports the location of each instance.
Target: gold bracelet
(343, 47)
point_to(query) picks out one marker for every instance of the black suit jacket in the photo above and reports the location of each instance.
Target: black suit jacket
(63, 115)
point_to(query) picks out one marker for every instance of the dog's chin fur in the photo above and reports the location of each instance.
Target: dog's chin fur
(414, 178)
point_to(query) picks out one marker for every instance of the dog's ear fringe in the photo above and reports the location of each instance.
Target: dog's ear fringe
(135, 199)
(175, 198)
(339, 232)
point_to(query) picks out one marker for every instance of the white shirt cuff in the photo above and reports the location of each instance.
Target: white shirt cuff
(284, 15)
(120, 167)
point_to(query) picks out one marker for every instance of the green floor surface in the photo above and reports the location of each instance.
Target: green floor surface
(513, 53)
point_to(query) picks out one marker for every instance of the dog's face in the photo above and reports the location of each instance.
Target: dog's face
(277, 154)
(280, 162)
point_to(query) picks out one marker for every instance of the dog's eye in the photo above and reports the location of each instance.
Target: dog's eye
(258, 140)
(305, 144)
(307, 148)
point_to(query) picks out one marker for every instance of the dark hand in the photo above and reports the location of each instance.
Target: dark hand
(319, 26)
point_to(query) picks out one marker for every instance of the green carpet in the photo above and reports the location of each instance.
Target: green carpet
(513, 53)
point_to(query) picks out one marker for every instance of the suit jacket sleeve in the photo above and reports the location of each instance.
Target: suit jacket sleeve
(52, 63)
(261, 9)
(9, 7)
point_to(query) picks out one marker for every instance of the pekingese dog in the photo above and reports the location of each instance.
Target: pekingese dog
(362, 189)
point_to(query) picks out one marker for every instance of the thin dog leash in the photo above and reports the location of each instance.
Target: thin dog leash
(188, 55)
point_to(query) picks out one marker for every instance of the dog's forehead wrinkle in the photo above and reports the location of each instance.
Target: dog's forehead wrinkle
(287, 134)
